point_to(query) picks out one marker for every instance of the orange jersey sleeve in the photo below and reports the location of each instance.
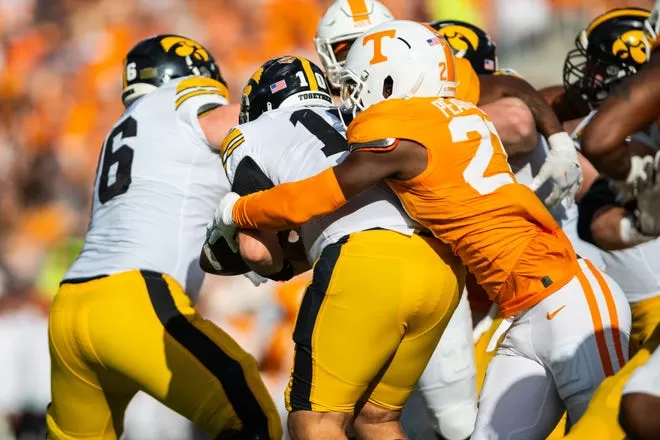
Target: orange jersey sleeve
(468, 87)
(469, 198)
(289, 205)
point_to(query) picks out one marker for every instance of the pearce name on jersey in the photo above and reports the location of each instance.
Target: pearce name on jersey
(157, 186)
(291, 144)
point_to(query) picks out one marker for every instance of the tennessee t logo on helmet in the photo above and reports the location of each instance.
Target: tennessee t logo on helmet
(377, 39)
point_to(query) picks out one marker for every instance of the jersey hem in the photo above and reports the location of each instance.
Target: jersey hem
(509, 311)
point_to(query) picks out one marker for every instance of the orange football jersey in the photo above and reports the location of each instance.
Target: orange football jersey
(469, 198)
(467, 81)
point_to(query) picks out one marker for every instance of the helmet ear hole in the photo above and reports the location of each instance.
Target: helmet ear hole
(388, 86)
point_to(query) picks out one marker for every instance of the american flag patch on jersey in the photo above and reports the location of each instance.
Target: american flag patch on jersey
(434, 41)
(489, 65)
(276, 87)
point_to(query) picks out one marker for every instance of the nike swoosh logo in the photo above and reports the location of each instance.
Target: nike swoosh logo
(553, 314)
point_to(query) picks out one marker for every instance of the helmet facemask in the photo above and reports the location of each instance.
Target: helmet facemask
(594, 79)
(350, 91)
(333, 56)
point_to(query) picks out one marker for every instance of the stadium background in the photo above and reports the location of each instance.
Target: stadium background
(60, 63)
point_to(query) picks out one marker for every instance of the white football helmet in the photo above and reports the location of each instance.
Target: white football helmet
(399, 59)
(343, 22)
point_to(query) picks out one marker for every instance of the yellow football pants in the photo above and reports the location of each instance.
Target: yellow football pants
(112, 336)
(370, 320)
(601, 421)
(645, 319)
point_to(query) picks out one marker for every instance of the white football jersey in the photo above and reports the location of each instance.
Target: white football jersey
(291, 144)
(157, 185)
(526, 167)
(636, 270)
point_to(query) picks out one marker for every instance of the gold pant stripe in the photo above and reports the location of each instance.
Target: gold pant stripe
(227, 370)
(370, 320)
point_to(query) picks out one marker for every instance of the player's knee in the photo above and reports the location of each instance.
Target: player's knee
(304, 425)
(456, 423)
(374, 415)
(638, 416)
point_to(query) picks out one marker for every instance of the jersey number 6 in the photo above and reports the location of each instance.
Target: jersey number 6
(118, 159)
(459, 127)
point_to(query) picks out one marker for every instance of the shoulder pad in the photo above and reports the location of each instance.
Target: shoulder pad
(467, 82)
(214, 92)
(392, 119)
(382, 145)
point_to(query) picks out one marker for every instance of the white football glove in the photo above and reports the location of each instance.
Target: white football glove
(640, 177)
(563, 168)
(648, 198)
(223, 223)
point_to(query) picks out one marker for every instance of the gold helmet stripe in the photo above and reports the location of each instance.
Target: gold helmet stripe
(309, 73)
(617, 13)
(359, 10)
(124, 80)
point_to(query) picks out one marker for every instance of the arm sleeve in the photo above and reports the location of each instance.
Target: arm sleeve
(290, 204)
(599, 195)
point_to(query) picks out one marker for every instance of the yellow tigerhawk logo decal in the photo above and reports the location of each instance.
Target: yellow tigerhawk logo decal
(256, 77)
(460, 38)
(633, 44)
(184, 47)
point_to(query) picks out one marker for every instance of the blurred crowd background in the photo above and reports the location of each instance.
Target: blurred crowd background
(60, 70)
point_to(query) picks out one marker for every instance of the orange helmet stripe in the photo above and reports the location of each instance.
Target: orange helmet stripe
(449, 56)
(359, 10)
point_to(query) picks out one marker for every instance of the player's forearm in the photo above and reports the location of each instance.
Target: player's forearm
(603, 142)
(567, 105)
(545, 118)
(614, 229)
(589, 176)
(610, 158)
(289, 205)
(514, 123)
(261, 251)
(632, 107)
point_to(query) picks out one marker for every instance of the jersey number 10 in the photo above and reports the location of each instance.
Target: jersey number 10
(333, 142)
(121, 159)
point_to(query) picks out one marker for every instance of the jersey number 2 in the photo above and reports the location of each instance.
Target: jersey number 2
(459, 127)
(333, 141)
(121, 159)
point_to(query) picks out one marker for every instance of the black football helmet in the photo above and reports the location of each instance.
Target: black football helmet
(614, 46)
(470, 42)
(288, 78)
(157, 60)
